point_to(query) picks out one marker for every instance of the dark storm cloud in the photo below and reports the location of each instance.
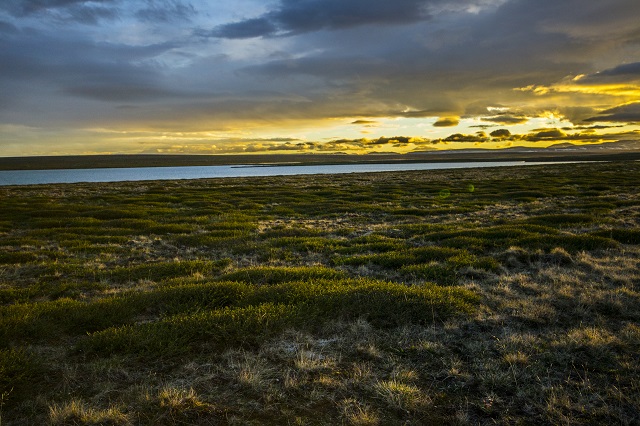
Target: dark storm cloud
(549, 134)
(629, 113)
(593, 127)
(164, 11)
(90, 15)
(47, 78)
(460, 137)
(322, 66)
(406, 58)
(621, 74)
(26, 7)
(507, 119)
(624, 69)
(576, 114)
(299, 16)
(500, 133)
(553, 135)
(303, 16)
(250, 28)
(556, 38)
(82, 11)
(6, 27)
(364, 122)
(122, 92)
(93, 11)
(425, 113)
(439, 68)
(116, 83)
(575, 19)
(54, 59)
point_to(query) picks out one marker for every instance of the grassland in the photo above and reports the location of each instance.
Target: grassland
(486, 296)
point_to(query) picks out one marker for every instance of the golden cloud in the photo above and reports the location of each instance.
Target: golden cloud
(447, 122)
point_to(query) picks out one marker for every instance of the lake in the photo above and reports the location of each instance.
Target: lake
(33, 177)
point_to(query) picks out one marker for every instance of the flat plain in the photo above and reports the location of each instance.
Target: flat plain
(169, 160)
(478, 296)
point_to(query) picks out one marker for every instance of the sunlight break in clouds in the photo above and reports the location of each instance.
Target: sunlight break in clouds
(300, 75)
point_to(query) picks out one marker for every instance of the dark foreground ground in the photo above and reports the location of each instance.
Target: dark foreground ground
(485, 296)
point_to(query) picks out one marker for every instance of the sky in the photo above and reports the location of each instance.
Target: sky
(277, 76)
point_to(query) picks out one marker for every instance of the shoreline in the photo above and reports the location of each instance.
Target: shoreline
(264, 160)
(142, 174)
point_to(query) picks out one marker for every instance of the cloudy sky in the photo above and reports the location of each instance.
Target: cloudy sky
(195, 76)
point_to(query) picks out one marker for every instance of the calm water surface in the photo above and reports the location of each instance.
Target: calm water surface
(32, 177)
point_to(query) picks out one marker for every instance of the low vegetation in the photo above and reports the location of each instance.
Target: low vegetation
(486, 296)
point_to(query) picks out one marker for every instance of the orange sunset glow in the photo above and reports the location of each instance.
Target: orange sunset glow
(84, 77)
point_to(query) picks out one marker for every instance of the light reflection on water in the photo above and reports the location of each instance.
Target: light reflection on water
(32, 177)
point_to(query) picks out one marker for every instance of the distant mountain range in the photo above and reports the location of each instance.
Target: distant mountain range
(624, 145)
(564, 147)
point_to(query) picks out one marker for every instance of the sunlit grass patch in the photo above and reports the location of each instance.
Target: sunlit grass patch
(48, 291)
(50, 320)
(570, 242)
(163, 270)
(525, 195)
(473, 244)
(388, 260)
(79, 232)
(77, 412)
(403, 257)
(565, 219)
(307, 244)
(400, 396)
(233, 240)
(358, 414)
(384, 304)
(79, 243)
(281, 231)
(439, 273)
(516, 358)
(597, 207)
(276, 275)
(242, 226)
(48, 213)
(413, 230)
(264, 311)
(180, 334)
(176, 405)
(440, 264)
(170, 228)
(624, 236)
(115, 213)
(17, 257)
(81, 275)
(592, 348)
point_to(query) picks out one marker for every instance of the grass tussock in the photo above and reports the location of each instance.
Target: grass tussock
(270, 275)
(364, 299)
(76, 412)
(270, 310)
